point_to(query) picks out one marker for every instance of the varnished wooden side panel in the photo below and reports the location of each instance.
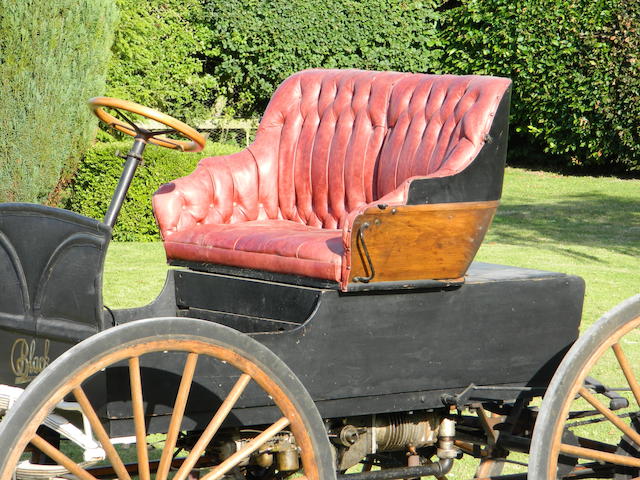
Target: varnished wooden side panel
(416, 242)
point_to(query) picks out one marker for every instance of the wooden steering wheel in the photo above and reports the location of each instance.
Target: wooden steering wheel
(125, 125)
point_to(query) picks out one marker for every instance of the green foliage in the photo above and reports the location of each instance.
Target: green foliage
(257, 44)
(576, 97)
(623, 112)
(53, 58)
(100, 170)
(575, 69)
(158, 57)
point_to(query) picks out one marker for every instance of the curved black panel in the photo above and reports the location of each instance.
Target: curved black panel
(69, 286)
(482, 180)
(51, 264)
(15, 296)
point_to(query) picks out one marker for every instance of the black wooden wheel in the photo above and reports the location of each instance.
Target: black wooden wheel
(197, 346)
(588, 424)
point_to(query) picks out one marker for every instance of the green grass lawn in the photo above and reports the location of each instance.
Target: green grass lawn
(578, 225)
(584, 226)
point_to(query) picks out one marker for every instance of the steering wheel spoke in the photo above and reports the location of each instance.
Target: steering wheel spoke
(167, 131)
(120, 114)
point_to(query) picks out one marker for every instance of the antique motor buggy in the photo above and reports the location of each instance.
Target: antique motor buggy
(324, 310)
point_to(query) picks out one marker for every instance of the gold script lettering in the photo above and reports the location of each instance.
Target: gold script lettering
(24, 361)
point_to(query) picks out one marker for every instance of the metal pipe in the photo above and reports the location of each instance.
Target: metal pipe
(438, 469)
(134, 157)
(523, 476)
(513, 443)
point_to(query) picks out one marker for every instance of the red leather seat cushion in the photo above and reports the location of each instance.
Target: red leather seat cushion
(330, 144)
(272, 245)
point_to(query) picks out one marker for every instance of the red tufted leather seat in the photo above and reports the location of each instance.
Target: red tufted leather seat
(332, 144)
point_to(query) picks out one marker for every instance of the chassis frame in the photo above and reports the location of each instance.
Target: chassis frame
(338, 370)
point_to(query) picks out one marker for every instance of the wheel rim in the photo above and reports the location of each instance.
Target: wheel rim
(584, 426)
(579, 393)
(248, 372)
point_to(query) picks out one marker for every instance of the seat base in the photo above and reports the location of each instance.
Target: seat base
(301, 281)
(278, 246)
(262, 275)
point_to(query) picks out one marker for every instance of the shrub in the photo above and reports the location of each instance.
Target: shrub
(623, 112)
(99, 172)
(158, 58)
(258, 44)
(575, 71)
(574, 63)
(53, 57)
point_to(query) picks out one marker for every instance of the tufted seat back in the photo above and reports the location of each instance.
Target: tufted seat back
(332, 142)
(348, 138)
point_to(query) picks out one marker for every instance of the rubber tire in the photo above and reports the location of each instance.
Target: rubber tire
(566, 377)
(64, 368)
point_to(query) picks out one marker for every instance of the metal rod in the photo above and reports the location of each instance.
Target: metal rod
(372, 272)
(513, 443)
(134, 157)
(512, 476)
(438, 469)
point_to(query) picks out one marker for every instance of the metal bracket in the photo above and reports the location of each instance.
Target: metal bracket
(464, 398)
(360, 238)
(616, 401)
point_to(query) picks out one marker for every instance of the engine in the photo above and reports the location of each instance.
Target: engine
(353, 439)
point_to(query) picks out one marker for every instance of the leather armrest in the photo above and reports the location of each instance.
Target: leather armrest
(221, 189)
(388, 201)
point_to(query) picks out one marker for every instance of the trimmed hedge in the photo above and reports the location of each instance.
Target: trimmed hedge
(575, 68)
(98, 175)
(159, 53)
(53, 57)
(258, 44)
(575, 63)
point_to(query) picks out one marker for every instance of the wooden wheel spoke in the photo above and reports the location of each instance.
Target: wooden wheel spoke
(60, 458)
(101, 434)
(225, 356)
(247, 450)
(627, 370)
(138, 418)
(176, 417)
(599, 455)
(213, 426)
(612, 417)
